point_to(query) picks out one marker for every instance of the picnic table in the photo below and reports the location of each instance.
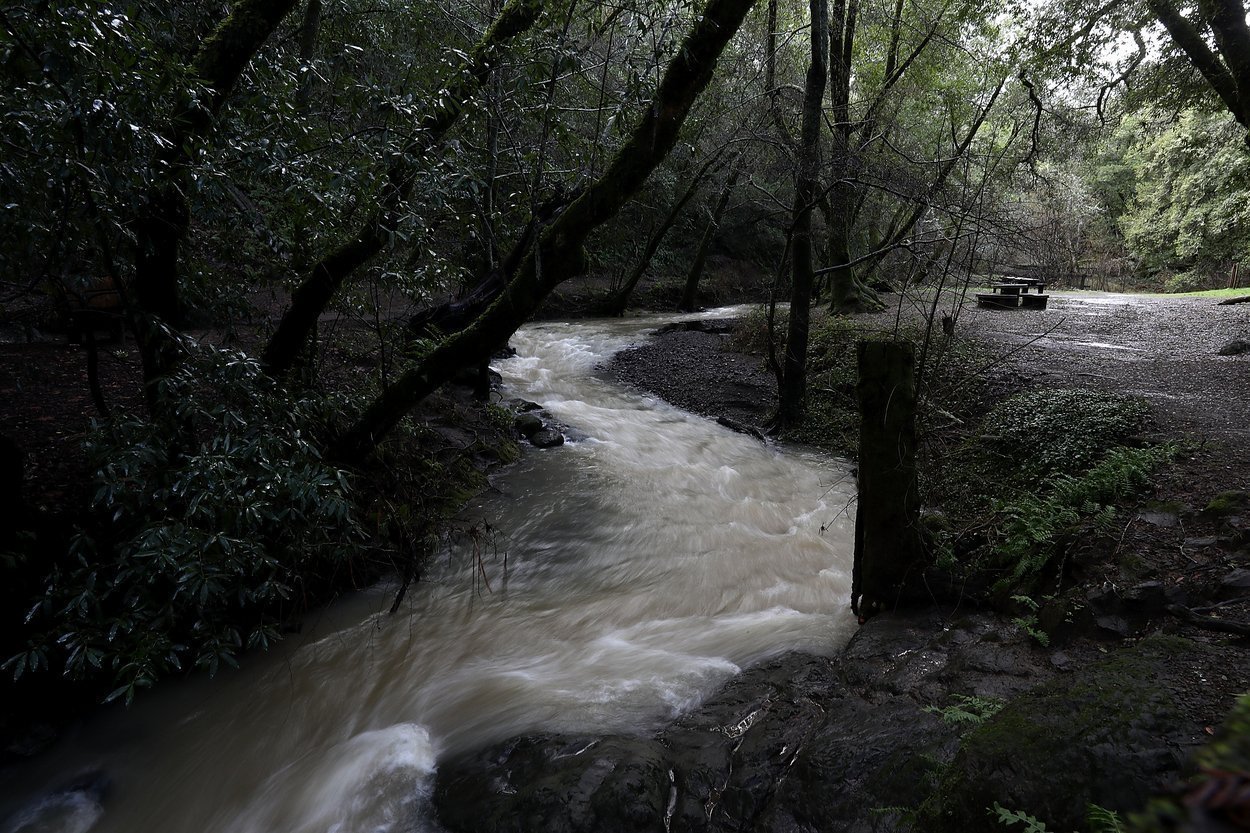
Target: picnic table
(1014, 293)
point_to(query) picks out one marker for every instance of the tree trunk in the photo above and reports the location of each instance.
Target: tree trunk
(792, 393)
(309, 29)
(619, 302)
(905, 221)
(616, 305)
(1228, 71)
(690, 295)
(558, 254)
(888, 545)
(326, 276)
(162, 220)
(846, 293)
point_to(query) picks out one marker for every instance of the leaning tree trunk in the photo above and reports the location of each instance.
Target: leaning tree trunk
(1227, 71)
(559, 254)
(793, 390)
(690, 294)
(888, 544)
(618, 302)
(326, 276)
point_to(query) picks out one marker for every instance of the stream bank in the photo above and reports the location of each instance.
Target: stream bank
(932, 717)
(881, 737)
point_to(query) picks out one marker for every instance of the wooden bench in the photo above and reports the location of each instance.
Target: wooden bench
(1030, 283)
(1013, 294)
(994, 300)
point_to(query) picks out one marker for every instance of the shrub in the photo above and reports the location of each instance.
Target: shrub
(1063, 430)
(206, 535)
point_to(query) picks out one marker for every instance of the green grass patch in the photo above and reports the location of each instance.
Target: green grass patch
(1213, 294)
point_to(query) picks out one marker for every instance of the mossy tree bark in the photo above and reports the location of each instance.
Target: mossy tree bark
(888, 544)
(847, 293)
(328, 274)
(792, 392)
(848, 286)
(163, 217)
(690, 294)
(558, 254)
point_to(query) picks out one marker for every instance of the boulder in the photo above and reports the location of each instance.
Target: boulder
(546, 438)
(527, 424)
(1235, 585)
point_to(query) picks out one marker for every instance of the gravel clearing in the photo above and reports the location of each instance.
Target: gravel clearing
(1163, 349)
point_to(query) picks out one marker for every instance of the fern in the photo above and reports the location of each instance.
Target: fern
(1102, 820)
(1010, 818)
(1033, 526)
(968, 710)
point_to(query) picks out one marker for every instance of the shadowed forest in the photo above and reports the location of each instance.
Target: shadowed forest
(261, 261)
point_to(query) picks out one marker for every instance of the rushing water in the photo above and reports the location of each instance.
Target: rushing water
(623, 578)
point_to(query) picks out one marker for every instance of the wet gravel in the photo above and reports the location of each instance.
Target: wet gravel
(694, 370)
(1163, 349)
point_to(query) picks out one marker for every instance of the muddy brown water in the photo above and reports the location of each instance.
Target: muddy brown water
(646, 563)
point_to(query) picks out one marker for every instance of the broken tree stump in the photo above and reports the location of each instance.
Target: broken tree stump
(889, 547)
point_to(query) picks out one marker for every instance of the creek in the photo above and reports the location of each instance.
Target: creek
(606, 585)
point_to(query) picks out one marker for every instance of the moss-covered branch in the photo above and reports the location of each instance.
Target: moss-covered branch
(162, 219)
(559, 254)
(328, 274)
(1187, 36)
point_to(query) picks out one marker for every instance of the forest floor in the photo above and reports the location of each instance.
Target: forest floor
(1164, 350)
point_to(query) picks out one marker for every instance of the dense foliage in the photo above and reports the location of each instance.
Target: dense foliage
(207, 547)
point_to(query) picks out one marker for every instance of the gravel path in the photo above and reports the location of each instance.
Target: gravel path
(693, 370)
(1163, 349)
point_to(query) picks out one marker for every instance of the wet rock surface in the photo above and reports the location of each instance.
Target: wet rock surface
(860, 742)
(546, 438)
(1236, 347)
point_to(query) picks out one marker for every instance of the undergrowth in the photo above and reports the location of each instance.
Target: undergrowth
(203, 540)
(948, 381)
(1046, 469)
